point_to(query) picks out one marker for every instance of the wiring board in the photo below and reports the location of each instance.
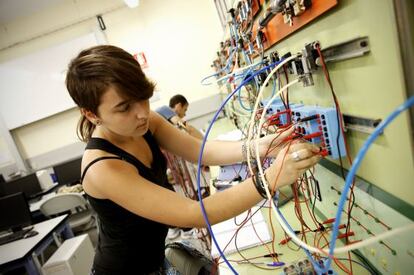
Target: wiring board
(251, 71)
(370, 217)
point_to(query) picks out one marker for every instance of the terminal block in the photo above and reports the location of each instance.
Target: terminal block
(321, 126)
(303, 267)
(315, 124)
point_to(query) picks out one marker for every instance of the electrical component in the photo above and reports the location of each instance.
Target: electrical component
(305, 65)
(331, 138)
(302, 267)
(294, 8)
(275, 7)
(316, 124)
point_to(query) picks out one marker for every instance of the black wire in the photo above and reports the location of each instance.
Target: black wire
(314, 201)
(281, 94)
(373, 270)
(287, 90)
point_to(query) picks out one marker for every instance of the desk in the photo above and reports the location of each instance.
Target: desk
(23, 252)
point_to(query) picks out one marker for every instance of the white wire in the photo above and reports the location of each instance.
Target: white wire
(256, 105)
(259, 164)
(375, 239)
(338, 250)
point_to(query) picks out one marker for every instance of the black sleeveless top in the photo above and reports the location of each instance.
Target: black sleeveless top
(128, 243)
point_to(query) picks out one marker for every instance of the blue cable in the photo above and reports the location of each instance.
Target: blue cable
(251, 109)
(221, 70)
(200, 159)
(239, 98)
(355, 166)
(257, 87)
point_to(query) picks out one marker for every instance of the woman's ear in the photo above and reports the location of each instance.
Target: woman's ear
(90, 116)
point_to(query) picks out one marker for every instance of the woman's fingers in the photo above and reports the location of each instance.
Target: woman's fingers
(308, 163)
(274, 142)
(282, 136)
(304, 155)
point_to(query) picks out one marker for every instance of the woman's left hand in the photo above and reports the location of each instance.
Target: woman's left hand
(270, 145)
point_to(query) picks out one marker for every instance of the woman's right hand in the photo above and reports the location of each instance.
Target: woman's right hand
(291, 162)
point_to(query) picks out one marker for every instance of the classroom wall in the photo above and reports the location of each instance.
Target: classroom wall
(178, 37)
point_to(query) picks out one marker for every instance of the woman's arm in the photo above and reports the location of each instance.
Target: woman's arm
(119, 181)
(215, 152)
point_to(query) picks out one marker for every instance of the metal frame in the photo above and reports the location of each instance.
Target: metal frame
(404, 14)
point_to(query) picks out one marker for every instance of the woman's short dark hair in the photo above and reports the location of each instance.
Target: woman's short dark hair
(178, 99)
(94, 70)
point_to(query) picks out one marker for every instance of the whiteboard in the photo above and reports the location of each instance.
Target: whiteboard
(33, 87)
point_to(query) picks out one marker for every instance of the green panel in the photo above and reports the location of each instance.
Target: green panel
(371, 212)
(394, 202)
(370, 86)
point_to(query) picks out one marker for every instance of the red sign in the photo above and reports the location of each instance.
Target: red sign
(142, 60)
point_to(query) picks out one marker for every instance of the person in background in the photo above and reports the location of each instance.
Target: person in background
(179, 104)
(124, 171)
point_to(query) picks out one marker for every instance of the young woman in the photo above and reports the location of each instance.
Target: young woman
(123, 169)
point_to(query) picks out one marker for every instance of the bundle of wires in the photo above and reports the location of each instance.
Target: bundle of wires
(286, 227)
(200, 158)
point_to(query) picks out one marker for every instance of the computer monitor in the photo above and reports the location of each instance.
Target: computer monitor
(68, 173)
(29, 185)
(2, 189)
(15, 212)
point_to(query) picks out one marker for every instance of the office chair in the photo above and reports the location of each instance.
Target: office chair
(81, 216)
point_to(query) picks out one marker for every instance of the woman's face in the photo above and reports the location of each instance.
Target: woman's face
(123, 117)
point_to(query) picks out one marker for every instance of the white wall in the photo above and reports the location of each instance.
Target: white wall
(178, 37)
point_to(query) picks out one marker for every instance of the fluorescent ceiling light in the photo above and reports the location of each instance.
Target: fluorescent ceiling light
(132, 3)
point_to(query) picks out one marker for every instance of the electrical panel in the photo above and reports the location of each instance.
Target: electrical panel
(249, 52)
(371, 215)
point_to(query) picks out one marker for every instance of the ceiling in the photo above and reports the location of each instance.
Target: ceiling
(11, 10)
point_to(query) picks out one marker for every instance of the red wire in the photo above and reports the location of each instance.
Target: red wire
(326, 72)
